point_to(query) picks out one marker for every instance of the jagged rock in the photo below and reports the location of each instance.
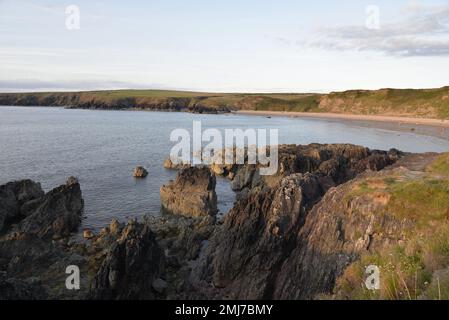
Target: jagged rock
(56, 214)
(245, 253)
(140, 172)
(192, 194)
(245, 256)
(13, 196)
(131, 266)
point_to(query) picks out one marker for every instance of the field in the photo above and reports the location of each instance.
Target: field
(420, 103)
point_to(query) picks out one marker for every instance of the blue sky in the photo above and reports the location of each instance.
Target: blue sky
(226, 46)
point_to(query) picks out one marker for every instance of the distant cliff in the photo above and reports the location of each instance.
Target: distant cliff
(423, 103)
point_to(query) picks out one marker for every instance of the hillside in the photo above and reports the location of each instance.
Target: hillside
(422, 103)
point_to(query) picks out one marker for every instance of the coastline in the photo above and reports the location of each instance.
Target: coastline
(349, 117)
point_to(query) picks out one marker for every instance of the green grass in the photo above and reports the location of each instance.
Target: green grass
(410, 269)
(423, 200)
(440, 165)
(429, 103)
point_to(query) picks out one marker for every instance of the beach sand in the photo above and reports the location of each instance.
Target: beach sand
(430, 127)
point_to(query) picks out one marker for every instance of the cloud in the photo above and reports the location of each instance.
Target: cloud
(424, 32)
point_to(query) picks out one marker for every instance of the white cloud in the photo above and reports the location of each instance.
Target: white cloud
(424, 32)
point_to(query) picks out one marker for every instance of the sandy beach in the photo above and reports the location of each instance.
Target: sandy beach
(350, 117)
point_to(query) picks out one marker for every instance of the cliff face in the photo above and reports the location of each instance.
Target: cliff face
(92, 100)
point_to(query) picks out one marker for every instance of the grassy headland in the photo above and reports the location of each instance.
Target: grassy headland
(419, 103)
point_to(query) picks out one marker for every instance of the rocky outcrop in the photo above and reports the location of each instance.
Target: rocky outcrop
(245, 256)
(191, 194)
(132, 264)
(15, 198)
(140, 172)
(56, 214)
(337, 162)
(353, 220)
(307, 232)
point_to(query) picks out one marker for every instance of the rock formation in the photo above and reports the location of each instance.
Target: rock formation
(55, 215)
(15, 198)
(140, 172)
(191, 194)
(245, 255)
(306, 233)
(131, 266)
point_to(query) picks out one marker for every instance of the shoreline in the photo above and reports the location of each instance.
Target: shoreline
(349, 117)
(437, 128)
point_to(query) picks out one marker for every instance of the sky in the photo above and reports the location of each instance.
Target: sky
(223, 46)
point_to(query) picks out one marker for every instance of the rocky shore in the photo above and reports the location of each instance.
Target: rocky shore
(306, 233)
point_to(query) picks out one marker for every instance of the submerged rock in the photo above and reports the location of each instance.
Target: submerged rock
(191, 194)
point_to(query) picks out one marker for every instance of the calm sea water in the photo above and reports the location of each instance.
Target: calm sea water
(102, 148)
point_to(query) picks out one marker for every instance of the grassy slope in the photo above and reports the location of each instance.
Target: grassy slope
(426, 103)
(417, 268)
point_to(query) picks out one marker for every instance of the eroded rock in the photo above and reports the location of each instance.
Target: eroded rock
(191, 194)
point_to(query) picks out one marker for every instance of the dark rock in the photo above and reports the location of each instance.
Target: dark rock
(131, 266)
(55, 215)
(16, 289)
(13, 196)
(245, 253)
(246, 256)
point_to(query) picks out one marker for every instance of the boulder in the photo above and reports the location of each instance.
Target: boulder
(191, 194)
(140, 172)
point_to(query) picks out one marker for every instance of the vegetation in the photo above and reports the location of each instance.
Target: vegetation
(418, 266)
(428, 103)
(440, 165)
